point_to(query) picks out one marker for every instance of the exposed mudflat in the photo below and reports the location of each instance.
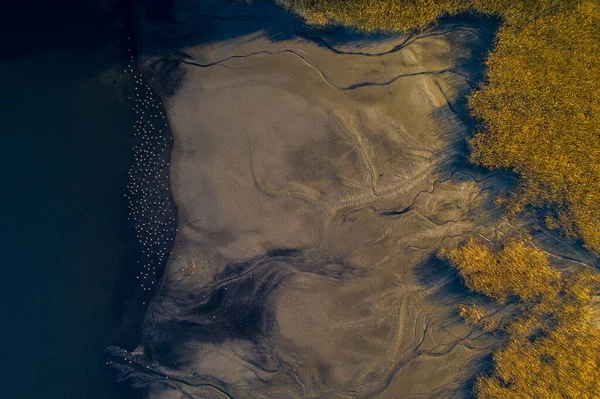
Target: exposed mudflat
(316, 174)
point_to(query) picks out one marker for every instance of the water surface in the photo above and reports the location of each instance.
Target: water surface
(67, 249)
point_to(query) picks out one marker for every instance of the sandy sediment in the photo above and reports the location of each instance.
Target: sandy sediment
(316, 174)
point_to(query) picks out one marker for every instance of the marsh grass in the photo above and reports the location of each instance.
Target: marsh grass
(554, 348)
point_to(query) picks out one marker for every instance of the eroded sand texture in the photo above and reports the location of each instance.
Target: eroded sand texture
(316, 174)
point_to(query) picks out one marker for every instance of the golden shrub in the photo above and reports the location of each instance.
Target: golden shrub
(540, 113)
(471, 313)
(563, 360)
(515, 269)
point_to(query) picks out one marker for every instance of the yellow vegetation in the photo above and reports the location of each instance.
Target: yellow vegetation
(554, 349)
(540, 105)
(403, 15)
(516, 269)
(540, 109)
(471, 313)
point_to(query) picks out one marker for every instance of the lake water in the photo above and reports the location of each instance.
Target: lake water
(68, 253)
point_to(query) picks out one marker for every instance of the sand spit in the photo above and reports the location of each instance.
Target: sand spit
(316, 174)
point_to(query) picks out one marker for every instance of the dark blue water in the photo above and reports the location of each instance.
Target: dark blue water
(68, 254)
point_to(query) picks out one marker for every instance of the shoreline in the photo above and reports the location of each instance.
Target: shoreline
(152, 215)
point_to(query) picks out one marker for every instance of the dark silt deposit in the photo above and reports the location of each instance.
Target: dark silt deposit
(315, 173)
